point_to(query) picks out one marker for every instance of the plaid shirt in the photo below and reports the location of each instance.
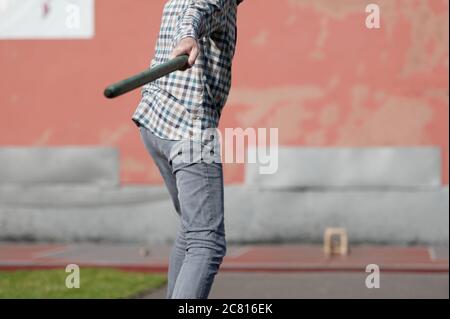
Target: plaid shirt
(180, 105)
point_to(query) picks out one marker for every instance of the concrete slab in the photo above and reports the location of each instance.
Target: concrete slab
(350, 167)
(25, 166)
(128, 215)
(141, 214)
(401, 217)
(79, 196)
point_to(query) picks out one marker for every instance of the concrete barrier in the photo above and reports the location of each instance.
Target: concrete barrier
(142, 214)
(87, 214)
(370, 216)
(380, 195)
(350, 167)
(25, 166)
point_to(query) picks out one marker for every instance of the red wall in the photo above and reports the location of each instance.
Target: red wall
(310, 68)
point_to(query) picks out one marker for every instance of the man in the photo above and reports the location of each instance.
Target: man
(174, 112)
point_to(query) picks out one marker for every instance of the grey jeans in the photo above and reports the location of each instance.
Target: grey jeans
(196, 189)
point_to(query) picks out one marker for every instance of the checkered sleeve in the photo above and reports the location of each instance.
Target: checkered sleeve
(201, 18)
(179, 104)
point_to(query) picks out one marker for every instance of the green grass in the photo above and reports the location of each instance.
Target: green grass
(94, 283)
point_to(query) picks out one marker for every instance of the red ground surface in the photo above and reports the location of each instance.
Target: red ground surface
(273, 258)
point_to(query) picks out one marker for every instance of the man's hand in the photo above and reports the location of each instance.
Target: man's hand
(187, 46)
